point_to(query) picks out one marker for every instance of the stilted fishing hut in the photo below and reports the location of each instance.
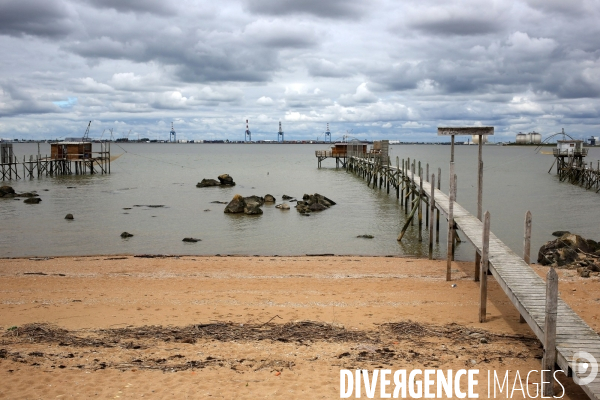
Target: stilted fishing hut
(341, 151)
(569, 157)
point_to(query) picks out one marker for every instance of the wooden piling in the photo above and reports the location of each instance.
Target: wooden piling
(432, 206)
(527, 239)
(437, 218)
(450, 226)
(420, 202)
(549, 358)
(483, 271)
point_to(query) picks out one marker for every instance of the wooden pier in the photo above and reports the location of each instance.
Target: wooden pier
(58, 163)
(565, 335)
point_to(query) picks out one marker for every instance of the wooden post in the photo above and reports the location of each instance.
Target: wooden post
(479, 199)
(549, 358)
(427, 208)
(398, 181)
(483, 271)
(437, 218)
(420, 203)
(432, 206)
(450, 225)
(454, 234)
(527, 239)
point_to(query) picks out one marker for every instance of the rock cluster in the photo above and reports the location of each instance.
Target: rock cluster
(248, 205)
(313, 202)
(223, 180)
(8, 192)
(571, 251)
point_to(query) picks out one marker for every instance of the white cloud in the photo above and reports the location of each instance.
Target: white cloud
(265, 101)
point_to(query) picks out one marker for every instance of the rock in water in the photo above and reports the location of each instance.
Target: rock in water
(69, 216)
(7, 191)
(225, 179)
(255, 199)
(286, 197)
(190, 240)
(236, 205)
(366, 236)
(126, 235)
(283, 206)
(207, 183)
(252, 209)
(559, 233)
(32, 200)
(269, 199)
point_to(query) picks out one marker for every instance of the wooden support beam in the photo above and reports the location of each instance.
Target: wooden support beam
(549, 359)
(483, 271)
(420, 203)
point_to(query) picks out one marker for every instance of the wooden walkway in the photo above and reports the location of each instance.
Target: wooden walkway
(523, 286)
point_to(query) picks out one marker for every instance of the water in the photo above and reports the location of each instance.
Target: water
(515, 180)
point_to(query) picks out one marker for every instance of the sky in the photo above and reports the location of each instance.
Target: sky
(377, 69)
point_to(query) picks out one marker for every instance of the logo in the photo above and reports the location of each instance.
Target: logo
(585, 368)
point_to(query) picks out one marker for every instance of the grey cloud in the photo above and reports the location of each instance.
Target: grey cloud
(461, 25)
(137, 6)
(48, 18)
(342, 9)
(15, 101)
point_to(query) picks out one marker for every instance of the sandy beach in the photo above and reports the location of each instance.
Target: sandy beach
(253, 327)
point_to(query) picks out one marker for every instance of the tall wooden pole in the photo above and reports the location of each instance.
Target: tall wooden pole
(420, 203)
(450, 226)
(483, 271)
(479, 199)
(549, 358)
(455, 237)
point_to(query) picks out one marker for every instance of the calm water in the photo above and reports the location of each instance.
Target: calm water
(515, 180)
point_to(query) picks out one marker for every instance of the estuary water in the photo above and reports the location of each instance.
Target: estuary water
(515, 180)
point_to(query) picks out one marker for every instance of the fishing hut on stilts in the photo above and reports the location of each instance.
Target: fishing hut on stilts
(66, 158)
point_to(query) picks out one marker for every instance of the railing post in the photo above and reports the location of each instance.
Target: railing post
(549, 358)
(483, 271)
(437, 218)
(432, 207)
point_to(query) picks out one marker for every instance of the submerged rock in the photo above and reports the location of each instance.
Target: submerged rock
(559, 233)
(269, 199)
(32, 200)
(69, 216)
(208, 183)
(126, 235)
(286, 197)
(366, 236)
(191, 240)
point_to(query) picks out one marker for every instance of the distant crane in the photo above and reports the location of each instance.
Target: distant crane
(280, 134)
(327, 134)
(172, 134)
(247, 134)
(86, 135)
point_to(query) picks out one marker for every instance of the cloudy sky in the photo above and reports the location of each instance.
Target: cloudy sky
(379, 69)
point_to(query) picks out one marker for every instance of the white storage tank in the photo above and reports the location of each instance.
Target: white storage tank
(521, 138)
(475, 139)
(536, 138)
